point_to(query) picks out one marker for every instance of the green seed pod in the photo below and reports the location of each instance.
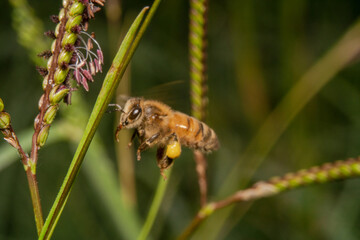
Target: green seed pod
(60, 75)
(41, 101)
(50, 114)
(77, 8)
(65, 3)
(36, 120)
(64, 56)
(345, 170)
(4, 120)
(45, 82)
(69, 38)
(61, 14)
(57, 30)
(1, 105)
(43, 134)
(72, 22)
(53, 45)
(356, 168)
(56, 95)
(49, 63)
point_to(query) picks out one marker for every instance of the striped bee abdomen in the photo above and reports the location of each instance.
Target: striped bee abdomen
(193, 133)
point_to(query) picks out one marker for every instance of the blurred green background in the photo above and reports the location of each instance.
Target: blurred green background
(258, 50)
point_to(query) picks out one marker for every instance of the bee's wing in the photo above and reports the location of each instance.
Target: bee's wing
(121, 99)
(174, 94)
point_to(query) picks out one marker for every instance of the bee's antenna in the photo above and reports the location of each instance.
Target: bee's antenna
(117, 107)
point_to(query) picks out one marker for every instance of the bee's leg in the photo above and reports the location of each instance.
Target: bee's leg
(163, 161)
(146, 144)
(136, 133)
(116, 107)
(173, 137)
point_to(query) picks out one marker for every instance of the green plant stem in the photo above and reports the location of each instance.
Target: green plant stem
(155, 206)
(35, 197)
(29, 166)
(111, 81)
(29, 29)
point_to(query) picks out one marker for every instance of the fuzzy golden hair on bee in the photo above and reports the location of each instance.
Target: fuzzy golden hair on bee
(156, 124)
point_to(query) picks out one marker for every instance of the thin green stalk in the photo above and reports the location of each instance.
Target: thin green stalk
(10, 136)
(35, 198)
(111, 81)
(198, 79)
(155, 206)
(197, 51)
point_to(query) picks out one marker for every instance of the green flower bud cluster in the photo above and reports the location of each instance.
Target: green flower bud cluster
(67, 57)
(66, 31)
(72, 18)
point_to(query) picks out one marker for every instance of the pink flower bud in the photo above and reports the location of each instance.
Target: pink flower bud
(77, 75)
(101, 56)
(85, 84)
(92, 68)
(87, 74)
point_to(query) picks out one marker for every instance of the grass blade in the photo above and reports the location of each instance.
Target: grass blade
(111, 81)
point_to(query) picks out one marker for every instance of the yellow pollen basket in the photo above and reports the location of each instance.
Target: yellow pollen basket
(173, 150)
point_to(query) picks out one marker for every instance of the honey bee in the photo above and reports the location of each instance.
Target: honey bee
(156, 124)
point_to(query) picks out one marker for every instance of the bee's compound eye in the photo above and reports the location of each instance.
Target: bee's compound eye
(135, 113)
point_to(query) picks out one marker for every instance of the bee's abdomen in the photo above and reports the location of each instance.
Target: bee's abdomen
(194, 133)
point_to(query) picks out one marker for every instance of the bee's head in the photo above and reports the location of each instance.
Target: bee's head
(132, 113)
